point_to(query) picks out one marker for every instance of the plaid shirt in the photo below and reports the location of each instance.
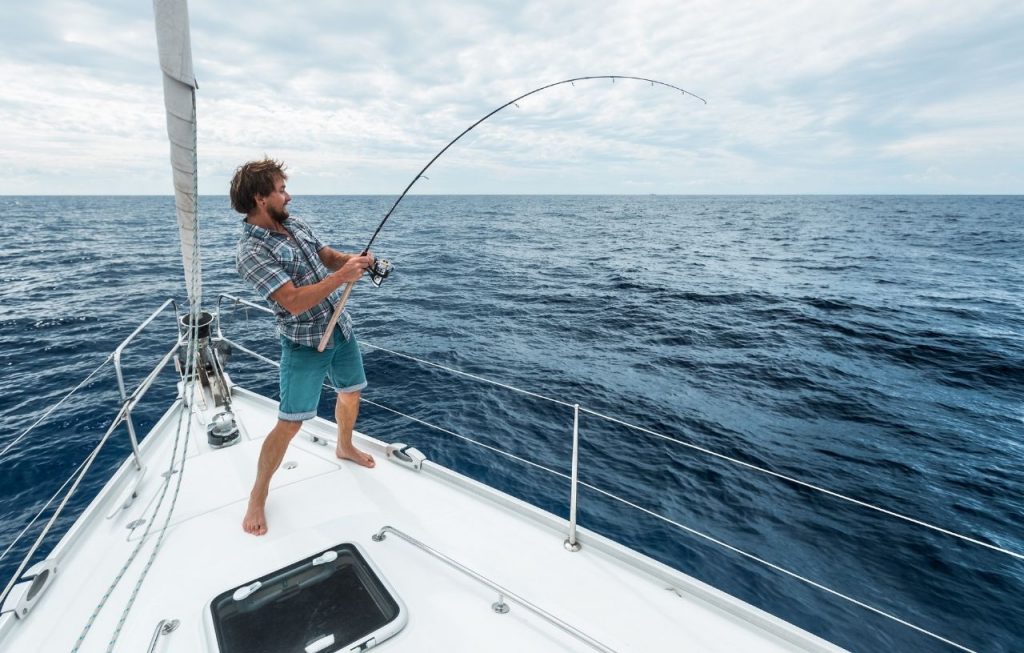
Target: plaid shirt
(267, 260)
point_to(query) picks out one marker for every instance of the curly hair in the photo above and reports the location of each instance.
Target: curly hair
(254, 179)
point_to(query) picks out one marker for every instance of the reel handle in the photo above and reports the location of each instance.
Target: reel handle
(335, 316)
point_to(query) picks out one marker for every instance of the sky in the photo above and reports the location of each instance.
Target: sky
(822, 97)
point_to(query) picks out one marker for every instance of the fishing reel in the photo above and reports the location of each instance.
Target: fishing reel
(379, 271)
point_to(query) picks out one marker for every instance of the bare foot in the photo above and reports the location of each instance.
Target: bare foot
(255, 521)
(355, 455)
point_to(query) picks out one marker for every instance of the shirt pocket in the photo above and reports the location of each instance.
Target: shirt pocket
(313, 267)
(292, 264)
(309, 243)
(289, 260)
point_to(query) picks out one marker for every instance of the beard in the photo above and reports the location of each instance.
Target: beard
(278, 216)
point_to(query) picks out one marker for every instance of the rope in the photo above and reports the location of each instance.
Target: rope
(190, 371)
(40, 513)
(82, 471)
(163, 527)
(191, 359)
(55, 407)
(710, 452)
(472, 376)
(149, 524)
(811, 486)
(417, 420)
(471, 440)
(679, 525)
(67, 497)
(780, 569)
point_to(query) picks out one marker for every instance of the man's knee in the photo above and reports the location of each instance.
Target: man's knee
(288, 428)
(349, 396)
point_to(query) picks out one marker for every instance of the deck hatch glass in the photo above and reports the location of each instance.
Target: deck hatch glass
(306, 602)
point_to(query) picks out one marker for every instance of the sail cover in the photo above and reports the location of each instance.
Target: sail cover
(175, 46)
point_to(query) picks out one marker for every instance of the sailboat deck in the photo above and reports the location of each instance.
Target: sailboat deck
(615, 596)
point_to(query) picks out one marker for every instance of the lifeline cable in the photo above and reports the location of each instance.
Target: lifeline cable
(419, 175)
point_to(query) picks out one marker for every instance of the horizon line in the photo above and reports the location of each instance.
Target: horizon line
(224, 195)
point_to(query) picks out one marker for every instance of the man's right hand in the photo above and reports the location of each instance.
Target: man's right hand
(354, 268)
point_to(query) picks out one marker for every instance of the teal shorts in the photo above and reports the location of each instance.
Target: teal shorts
(303, 370)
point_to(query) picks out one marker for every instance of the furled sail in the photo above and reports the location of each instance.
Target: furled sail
(175, 47)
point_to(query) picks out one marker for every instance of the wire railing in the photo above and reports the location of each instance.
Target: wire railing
(130, 400)
(572, 544)
(124, 416)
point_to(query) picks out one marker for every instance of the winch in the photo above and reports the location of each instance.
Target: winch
(222, 429)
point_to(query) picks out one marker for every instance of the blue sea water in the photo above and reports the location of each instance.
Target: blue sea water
(870, 345)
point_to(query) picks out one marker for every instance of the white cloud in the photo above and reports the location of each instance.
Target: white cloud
(358, 98)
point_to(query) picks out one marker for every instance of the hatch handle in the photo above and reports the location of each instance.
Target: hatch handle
(320, 644)
(325, 557)
(246, 591)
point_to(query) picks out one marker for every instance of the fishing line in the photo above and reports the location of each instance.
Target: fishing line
(653, 82)
(381, 268)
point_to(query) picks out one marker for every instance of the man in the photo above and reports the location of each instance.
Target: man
(282, 259)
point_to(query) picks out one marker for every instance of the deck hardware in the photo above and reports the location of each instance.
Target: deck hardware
(325, 557)
(316, 439)
(320, 644)
(169, 474)
(222, 431)
(129, 401)
(502, 591)
(24, 595)
(130, 494)
(368, 644)
(291, 464)
(570, 542)
(165, 627)
(135, 523)
(246, 591)
(405, 454)
(500, 606)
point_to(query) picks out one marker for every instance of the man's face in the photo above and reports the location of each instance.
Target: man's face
(277, 202)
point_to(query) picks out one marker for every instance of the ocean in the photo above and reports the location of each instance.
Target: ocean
(870, 345)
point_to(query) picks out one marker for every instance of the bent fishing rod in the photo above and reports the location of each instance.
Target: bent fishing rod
(381, 268)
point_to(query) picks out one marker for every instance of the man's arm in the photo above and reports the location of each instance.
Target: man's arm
(335, 260)
(298, 299)
(331, 258)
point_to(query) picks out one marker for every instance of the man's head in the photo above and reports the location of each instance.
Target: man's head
(260, 185)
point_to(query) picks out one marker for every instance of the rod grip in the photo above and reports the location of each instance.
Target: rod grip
(337, 314)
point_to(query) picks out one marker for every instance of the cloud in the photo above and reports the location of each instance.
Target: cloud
(804, 97)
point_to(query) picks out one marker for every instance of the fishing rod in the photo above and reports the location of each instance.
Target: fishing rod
(382, 268)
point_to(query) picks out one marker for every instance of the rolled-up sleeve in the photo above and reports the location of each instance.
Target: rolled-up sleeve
(262, 271)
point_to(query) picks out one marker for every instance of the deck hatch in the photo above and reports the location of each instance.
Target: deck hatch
(332, 601)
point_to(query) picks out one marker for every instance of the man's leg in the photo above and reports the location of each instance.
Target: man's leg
(271, 455)
(345, 412)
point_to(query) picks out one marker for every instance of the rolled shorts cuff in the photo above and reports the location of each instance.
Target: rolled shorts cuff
(296, 417)
(351, 388)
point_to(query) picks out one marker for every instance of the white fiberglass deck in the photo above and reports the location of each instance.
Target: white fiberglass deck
(319, 502)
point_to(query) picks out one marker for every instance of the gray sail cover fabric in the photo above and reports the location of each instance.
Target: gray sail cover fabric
(175, 47)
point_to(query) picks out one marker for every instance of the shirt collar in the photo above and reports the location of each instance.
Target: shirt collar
(253, 231)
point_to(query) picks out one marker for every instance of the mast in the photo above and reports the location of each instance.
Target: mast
(175, 47)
